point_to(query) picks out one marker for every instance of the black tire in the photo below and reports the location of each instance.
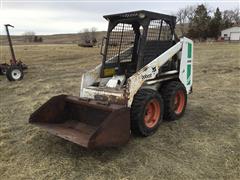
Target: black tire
(14, 73)
(139, 117)
(3, 69)
(175, 100)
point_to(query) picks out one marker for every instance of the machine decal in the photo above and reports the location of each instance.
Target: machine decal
(146, 76)
(154, 69)
(189, 74)
(189, 50)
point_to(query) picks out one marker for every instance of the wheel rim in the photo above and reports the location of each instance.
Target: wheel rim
(16, 74)
(179, 102)
(152, 113)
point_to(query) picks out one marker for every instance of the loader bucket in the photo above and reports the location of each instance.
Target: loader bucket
(84, 122)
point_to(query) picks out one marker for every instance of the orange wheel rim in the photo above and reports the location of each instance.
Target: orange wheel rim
(179, 102)
(152, 113)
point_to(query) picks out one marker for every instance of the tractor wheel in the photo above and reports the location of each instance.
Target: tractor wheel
(146, 112)
(3, 71)
(175, 100)
(14, 73)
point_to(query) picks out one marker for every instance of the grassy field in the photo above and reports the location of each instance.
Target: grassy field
(204, 144)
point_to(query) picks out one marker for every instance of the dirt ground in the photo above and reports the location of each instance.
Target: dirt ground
(204, 144)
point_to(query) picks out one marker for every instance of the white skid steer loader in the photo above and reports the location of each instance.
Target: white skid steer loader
(144, 77)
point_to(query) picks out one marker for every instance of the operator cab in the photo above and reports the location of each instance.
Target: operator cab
(134, 39)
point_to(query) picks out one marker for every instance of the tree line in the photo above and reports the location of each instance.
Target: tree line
(199, 22)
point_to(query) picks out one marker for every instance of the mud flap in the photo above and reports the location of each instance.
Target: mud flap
(84, 122)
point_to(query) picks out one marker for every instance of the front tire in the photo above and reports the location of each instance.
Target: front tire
(146, 112)
(175, 100)
(14, 73)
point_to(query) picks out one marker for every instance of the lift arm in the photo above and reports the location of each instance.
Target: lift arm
(151, 70)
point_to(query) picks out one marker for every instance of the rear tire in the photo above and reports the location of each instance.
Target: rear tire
(14, 73)
(175, 100)
(3, 68)
(3, 71)
(146, 112)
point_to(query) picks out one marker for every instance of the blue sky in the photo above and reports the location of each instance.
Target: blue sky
(72, 16)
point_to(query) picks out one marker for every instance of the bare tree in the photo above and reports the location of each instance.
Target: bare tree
(85, 36)
(184, 15)
(228, 20)
(94, 38)
(88, 37)
(29, 36)
(236, 17)
(190, 12)
(182, 20)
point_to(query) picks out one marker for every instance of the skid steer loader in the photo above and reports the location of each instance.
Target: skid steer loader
(144, 77)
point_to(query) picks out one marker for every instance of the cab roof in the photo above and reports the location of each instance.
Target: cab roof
(140, 14)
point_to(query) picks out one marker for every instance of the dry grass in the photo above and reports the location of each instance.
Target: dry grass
(204, 144)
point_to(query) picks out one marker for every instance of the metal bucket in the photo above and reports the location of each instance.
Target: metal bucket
(88, 123)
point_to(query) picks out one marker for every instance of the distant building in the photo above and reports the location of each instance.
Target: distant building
(231, 34)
